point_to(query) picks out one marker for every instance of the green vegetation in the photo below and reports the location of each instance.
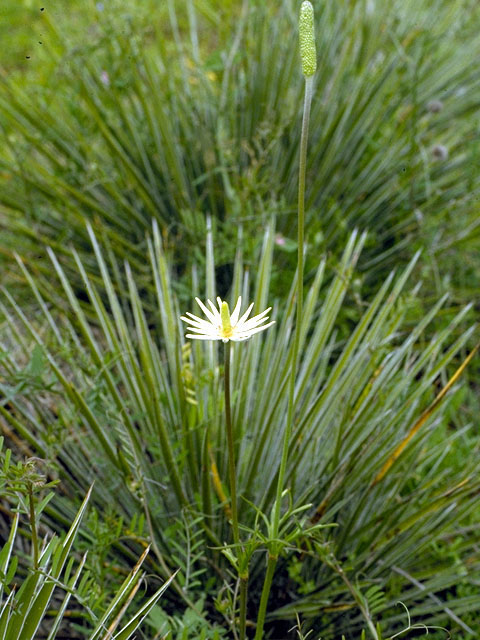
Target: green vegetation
(326, 472)
(52, 568)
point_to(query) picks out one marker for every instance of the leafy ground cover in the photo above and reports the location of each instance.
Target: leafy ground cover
(188, 115)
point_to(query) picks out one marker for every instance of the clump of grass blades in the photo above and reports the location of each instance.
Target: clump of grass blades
(140, 411)
(53, 579)
(176, 122)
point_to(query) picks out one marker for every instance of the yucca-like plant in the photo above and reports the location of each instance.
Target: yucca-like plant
(140, 411)
(38, 596)
(323, 426)
(199, 117)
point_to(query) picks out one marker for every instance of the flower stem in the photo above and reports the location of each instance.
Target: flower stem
(296, 341)
(273, 556)
(243, 606)
(272, 563)
(233, 492)
(231, 452)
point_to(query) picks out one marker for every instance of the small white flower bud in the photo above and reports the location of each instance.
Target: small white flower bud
(435, 106)
(440, 152)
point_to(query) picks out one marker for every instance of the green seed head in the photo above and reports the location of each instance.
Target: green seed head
(308, 53)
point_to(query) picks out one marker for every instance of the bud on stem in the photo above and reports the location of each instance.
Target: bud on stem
(308, 53)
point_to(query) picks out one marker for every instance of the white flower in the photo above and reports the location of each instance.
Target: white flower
(223, 326)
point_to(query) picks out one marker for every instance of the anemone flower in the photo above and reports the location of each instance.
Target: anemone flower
(223, 326)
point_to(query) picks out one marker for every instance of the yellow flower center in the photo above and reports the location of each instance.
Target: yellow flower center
(226, 328)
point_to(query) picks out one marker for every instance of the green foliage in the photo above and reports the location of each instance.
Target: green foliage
(25, 601)
(187, 543)
(190, 626)
(177, 110)
(153, 447)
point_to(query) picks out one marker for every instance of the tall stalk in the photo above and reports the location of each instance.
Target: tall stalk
(309, 63)
(299, 296)
(230, 444)
(243, 573)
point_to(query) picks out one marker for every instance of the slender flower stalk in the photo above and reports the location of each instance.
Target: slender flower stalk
(233, 488)
(309, 65)
(221, 325)
(230, 444)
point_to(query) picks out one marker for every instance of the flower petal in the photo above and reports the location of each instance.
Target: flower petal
(246, 314)
(206, 311)
(236, 312)
(216, 313)
(256, 320)
(207, 332)
(196, 321)
(251, 332)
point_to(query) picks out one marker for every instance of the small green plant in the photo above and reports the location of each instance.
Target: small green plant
(191, 625)
(28, 587)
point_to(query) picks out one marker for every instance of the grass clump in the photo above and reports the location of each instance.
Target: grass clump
(196, 112)
(146, 422)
